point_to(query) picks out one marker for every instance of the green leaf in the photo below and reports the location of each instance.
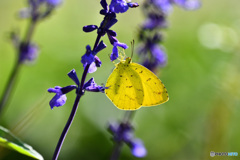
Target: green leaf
(8, 140)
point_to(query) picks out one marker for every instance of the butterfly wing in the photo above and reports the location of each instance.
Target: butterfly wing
(154, 91)
(125, 88)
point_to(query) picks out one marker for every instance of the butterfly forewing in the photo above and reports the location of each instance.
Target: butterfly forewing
(125, 88)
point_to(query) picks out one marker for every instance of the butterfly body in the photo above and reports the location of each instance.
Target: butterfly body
(131, 86)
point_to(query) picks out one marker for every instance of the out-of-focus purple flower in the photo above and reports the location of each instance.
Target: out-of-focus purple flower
(124, 133)
(39, 9)
(28, 52)
(166, 5)
(91, 86)
(54, 3)
(154, 21)
(60, 98)
(163, 5)
(188, 4)
(121, 132)
(25, 13)
(158, 56)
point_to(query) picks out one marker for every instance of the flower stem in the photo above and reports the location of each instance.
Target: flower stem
(66, 128)
(9, 86)
(30, 31)
(128, 116)
(13, 76)
(116, 151)
(80, 92)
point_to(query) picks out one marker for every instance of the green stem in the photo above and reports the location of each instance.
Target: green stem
(9, 86)
(13, 76)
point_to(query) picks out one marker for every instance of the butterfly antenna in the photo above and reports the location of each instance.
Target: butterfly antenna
(132, 45)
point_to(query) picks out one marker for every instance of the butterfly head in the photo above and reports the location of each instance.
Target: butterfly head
(128, 60)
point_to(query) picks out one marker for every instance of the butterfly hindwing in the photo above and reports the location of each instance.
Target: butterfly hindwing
(154, 91)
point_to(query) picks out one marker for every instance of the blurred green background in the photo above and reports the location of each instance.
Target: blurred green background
(202, 78)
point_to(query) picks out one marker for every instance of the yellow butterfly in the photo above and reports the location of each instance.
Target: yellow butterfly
(131, 86)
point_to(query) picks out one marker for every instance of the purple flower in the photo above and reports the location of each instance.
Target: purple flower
(60, 98)
(124, 133)
(28, 52)
(115, 43)
(90, 57)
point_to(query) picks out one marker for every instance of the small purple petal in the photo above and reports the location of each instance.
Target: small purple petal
(97, 62)
(88, 83)
(100, 47)
(103, 12)
(73, 75)
(93, 87)
(112, 33)
(92, 68)
(112, 39)
(90, 28)
(122, 45)
(58, 100)
(88, 57)
(56, 89)
(132, 5)
(118, 6)
(104, 4)
(114, 54)
(67, 89)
